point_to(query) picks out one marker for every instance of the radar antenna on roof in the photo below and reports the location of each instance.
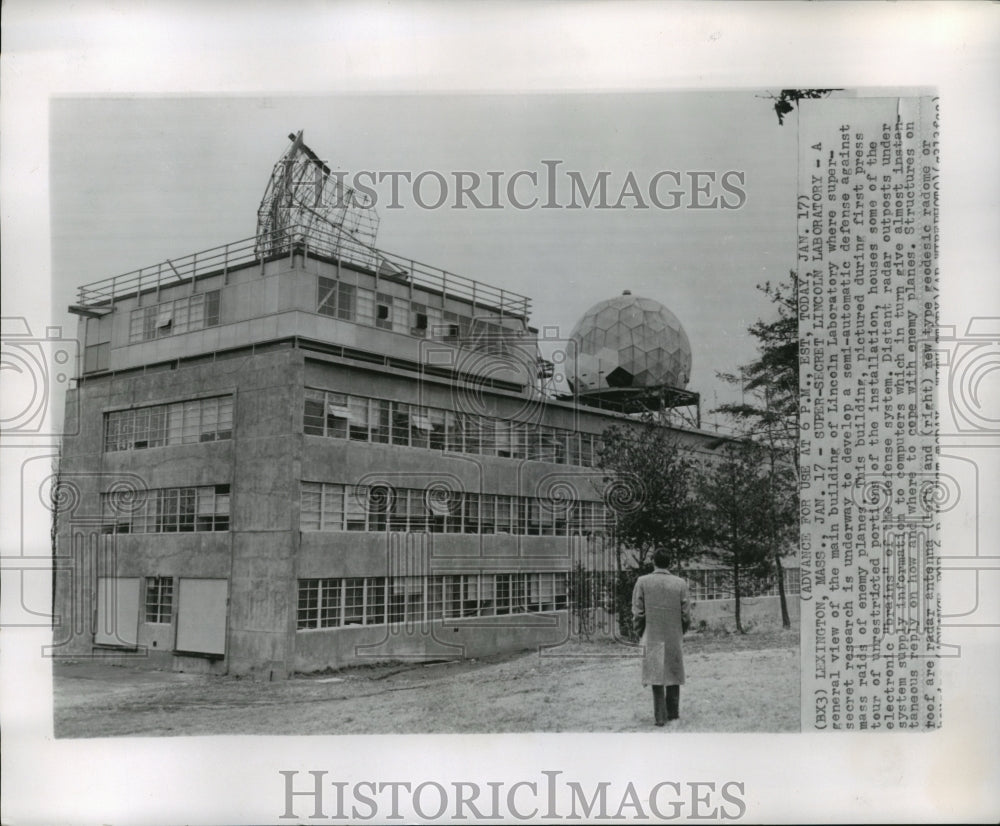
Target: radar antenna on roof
(304, 203)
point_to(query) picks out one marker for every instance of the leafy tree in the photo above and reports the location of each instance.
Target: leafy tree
(769, 415)
(648, 486)
(733, 516)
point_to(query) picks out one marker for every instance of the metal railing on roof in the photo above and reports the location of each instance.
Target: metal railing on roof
(339, 246)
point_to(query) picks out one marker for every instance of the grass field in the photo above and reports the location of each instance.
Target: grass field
(734, 683)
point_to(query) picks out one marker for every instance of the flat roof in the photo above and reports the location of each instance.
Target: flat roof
(313, 242)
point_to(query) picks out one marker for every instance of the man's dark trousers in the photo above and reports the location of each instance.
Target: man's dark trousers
(666, 703)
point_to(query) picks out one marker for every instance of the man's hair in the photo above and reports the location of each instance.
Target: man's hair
(661, 558)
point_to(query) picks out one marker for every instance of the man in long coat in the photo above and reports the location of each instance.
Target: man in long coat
(661, 614)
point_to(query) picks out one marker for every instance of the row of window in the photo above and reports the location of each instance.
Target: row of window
(201, 420)
(167, 510)
(179, 315)
(336, 507)
(343, 416)
(713, 584)
(337, 602)
(348, 302)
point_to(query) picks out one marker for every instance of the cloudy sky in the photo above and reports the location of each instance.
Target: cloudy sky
(136, 180)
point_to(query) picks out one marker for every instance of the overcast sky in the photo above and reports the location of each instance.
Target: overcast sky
(137, 180)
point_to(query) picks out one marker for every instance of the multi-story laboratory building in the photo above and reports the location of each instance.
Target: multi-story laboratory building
(298, 451)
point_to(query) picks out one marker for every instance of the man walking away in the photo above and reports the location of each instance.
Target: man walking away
(661, 615)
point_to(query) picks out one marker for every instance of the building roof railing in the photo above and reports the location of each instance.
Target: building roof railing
(336, 244)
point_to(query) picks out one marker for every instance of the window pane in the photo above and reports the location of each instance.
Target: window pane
(338, 414)
(365, 307)
(437, 433)
(212, 308)
(308, 603)
(420, 427)
(209, 419)
(381, 422)
(357, 506)
(346, 295)
(400, 424)
(358, 410)
(326, 300)
(375, 608)
(471, 513)
(311, 502)
(333, 508)
(329, 604)
(354, 600)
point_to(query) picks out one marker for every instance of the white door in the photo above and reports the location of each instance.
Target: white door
(201, 616)
(117, 611)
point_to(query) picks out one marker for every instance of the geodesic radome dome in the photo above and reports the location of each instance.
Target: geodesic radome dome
(629, 341)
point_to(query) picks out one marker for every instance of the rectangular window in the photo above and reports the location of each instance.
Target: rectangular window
(212, 300)
(357, 507)
(333, 508)
(453, 593)
(399, 505)
(453, 432)
(338, 415)
(168, 510)
(336, 299)
(326, 300)
(400, 424)
(307, 614)
(418, 319)
(470, 433)
(487, 437)
(418, 512)
(358, 413)
(329, 602)
(381, 421)
(435, 597)
(364, 307)
(471, 513)
(541, 592)
(381, 503)
(383, 311)
(202, 420)
(159, 599)
(319, 603)
(420, 427)
(436, 418)
(487, 513)
(354, 601)
(504, 522)
(180, 315)
(375, 600)
(451, 328)
(314, 419)
(503, 440)
(346, 296)
(311, 509)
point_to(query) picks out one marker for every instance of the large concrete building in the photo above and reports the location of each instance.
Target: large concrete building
(297, 451)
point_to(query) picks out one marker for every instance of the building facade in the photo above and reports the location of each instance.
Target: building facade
(286, 459)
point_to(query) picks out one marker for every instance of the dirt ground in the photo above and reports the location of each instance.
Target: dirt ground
(734, 683)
